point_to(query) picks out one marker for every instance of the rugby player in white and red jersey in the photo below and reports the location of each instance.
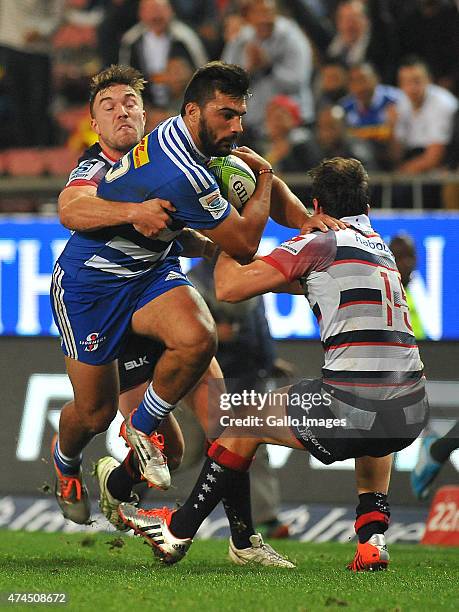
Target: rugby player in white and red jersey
(370, 401)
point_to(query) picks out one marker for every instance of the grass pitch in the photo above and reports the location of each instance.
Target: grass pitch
(105, 572)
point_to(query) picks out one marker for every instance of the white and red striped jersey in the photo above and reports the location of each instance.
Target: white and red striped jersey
(351, 281)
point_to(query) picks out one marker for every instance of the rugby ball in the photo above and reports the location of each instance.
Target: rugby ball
(235, 178)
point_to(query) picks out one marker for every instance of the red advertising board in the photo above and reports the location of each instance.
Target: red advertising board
(442, 525)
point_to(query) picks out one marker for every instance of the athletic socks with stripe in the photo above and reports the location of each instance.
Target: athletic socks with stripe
(223, 476)
(372, 515)
(69, 466)
(151, 411)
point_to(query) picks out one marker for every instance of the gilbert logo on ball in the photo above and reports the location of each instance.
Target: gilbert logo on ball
(236, 180)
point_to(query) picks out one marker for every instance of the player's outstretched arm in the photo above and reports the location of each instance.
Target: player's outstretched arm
(80, 209)
(234, 283)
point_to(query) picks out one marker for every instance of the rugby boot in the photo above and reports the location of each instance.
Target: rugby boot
(258, 553)
(371, 556)
(71, 494)
(107, 503)
(153, 526)
(149, 452)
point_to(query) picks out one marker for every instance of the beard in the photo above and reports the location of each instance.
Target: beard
(210, 146)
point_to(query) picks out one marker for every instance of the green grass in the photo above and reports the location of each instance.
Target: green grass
(102, 572)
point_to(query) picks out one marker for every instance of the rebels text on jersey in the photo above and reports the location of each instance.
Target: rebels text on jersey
(353, 287)
(167, 165)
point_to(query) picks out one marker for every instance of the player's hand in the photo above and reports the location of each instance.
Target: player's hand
(152, 217)
(323, 223)
(253, 160)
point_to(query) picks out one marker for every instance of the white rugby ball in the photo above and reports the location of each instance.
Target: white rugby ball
(235, 178)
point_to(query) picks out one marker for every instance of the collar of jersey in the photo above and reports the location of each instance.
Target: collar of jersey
(361, 220)
(189, 140)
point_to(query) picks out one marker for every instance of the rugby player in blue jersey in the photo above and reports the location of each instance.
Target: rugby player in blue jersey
(110, 274)
(370, 401)
(139, 355)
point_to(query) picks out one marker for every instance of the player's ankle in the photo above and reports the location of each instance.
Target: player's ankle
(372, 515)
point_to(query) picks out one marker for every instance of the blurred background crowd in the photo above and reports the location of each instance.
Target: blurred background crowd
(377, 80)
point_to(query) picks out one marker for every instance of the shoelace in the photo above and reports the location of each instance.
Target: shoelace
(157, 439)
(67, 483)
(272, 554)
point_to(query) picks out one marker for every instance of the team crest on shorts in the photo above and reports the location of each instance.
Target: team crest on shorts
(92, 341)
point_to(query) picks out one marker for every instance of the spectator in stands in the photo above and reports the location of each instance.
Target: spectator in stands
(333, 83)
(451, 190)
(26, 30)
(153, 42)
(357, 41)
(278, 57)
(370, 110)
(287, 139)
(431, 31)
(202, 17)
(425, 119)
(332, 140)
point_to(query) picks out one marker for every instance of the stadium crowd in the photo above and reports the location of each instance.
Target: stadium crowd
(377, 79)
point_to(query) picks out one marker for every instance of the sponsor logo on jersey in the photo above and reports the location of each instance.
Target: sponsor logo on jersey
(140, 153)
(214, 203)
(93, 339)
(295, 245)
(86, 170)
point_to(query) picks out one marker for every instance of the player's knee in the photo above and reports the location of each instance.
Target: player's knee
(200, 342)
(97, 418)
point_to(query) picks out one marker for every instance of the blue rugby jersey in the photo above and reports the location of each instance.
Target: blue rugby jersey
(165, 164)
(371, 123)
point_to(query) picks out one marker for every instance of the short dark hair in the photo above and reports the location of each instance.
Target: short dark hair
(344, 2)
(229, 79)
(413, 61)
(340, 186)
(115, 75)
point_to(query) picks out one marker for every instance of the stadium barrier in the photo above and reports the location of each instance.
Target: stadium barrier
(46, 188)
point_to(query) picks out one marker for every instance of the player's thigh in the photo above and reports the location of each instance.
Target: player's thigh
(94, 386)
(179, 317)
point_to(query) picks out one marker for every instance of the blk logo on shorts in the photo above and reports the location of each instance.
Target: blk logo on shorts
(92, 342)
